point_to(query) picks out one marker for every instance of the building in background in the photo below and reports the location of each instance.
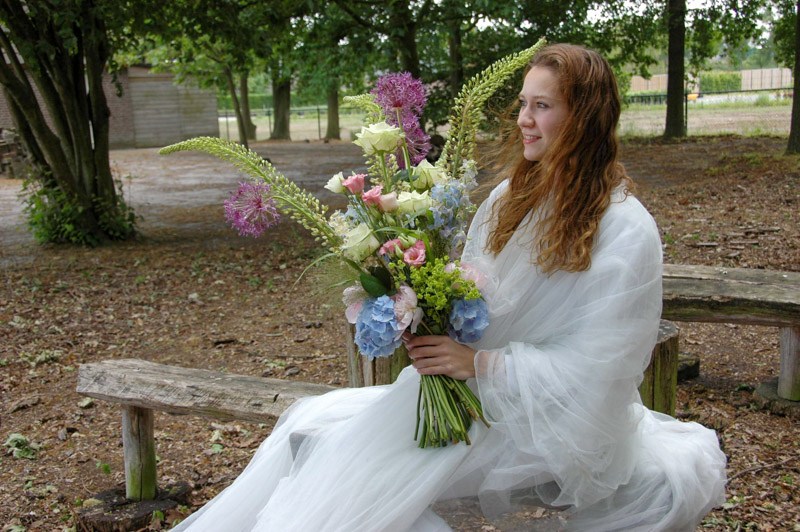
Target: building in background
(152, 111)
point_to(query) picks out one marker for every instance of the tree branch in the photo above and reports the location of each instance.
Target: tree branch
(762, 467)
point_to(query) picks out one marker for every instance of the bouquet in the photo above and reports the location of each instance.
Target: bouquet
(404, 226)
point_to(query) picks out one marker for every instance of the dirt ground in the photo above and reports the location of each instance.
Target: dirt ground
(190, 292)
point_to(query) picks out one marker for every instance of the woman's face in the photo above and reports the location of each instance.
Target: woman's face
(542, 112)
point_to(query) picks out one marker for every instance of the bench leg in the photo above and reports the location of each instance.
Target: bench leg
(660, 381)
(789, 377)
(139, 448)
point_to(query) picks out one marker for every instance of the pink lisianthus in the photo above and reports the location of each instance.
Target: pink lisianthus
(406, 311)
(415, 255)
(390, 247)
(373, 196)
(355, 183)
(389, 202)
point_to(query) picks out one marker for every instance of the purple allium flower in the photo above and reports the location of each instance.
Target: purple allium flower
(401, 94)
(399, 91)
(418, 143)
(250, 209)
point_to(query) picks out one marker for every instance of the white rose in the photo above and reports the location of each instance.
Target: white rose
(427, 176)
(359, 243)
(413, 202)
(380, 137)
(335, 184)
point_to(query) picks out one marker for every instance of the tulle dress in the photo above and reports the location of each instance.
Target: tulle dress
(557, 374)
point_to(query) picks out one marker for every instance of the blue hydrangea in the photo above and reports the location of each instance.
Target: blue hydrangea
(377, 333)
(447, 199)
(468, 319)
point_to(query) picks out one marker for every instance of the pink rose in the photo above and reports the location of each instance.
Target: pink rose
(389, 202)
(373, 196)
(470, 273)
(390, 247)
(415, 255)
(355, 183)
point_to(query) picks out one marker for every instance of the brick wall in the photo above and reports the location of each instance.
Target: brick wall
(151, 110)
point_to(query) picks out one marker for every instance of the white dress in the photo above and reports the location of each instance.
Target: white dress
(557, 374)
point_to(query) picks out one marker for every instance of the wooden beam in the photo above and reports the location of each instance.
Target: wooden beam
(731, 295)
(191, 391)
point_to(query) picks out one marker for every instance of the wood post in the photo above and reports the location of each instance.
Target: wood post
(365, 372)
(660, 381)
(789, 377)
(138, 445)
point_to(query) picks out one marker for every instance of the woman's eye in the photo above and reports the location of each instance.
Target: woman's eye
(541, 105)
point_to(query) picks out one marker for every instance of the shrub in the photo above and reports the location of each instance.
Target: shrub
(54, 217)
(720, 81)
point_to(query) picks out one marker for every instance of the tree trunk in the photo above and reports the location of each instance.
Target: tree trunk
(237, 108)
(794, 132)
(456, 58)
(676, 23)
(281, 104)
(71, 152)
(405, 37)
(244, 93)
(96, 56)
(332, 131)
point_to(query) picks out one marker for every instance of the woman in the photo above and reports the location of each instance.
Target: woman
(574, 264)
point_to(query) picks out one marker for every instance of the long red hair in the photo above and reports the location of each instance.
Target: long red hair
(571, 186)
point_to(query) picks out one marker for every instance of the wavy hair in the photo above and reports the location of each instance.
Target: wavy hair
(570, 188)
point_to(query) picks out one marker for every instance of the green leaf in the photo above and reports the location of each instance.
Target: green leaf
(383, 275)
(217, 448)
(372, 285)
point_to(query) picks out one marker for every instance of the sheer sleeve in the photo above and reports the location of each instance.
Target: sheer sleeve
(580, 342)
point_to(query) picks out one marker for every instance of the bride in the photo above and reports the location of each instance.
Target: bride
(574, 263)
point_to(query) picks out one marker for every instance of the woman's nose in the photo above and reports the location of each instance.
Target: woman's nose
(525, 118)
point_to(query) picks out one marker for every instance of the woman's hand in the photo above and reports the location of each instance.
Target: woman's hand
(440, 355)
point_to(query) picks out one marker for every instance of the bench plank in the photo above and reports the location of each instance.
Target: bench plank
(731, 295)
(191, 391)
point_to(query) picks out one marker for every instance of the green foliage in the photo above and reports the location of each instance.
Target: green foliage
(783, 32)
(20, 447)
(257, 101)
(44, 357)
(58, 218)
(465, 117)
(436, 288)
(300, 205)
(366, 102)
(720, 81)
(103, 467)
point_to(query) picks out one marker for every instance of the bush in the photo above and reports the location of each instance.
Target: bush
(56, 218)
(720, 81)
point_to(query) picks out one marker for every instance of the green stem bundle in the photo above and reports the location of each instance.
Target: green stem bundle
(446, 408)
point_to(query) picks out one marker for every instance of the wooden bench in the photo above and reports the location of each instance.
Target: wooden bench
(141, 387)
(742, 296)
(691, 293)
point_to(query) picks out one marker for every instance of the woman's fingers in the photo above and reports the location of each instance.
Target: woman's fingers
(441, 355)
